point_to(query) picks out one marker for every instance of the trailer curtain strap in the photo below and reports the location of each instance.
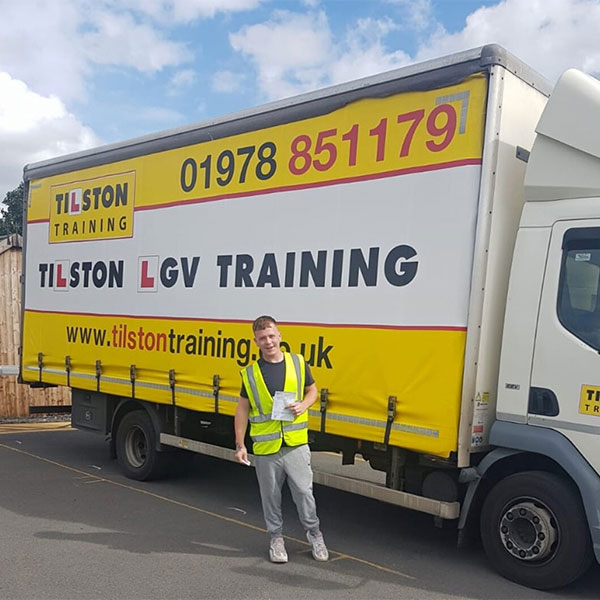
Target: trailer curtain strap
(323, 407)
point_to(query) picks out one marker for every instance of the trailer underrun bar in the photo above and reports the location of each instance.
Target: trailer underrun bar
(437, 508)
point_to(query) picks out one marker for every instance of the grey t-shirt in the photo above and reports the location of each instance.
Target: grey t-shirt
(274, 376)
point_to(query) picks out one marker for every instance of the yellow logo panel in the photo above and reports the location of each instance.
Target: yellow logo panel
(93, 209)
(589, 403)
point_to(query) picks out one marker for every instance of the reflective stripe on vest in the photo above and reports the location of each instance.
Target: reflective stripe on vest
(266, 433)
(252, 382)
(259, 419)
(266, 437)
(295, 426)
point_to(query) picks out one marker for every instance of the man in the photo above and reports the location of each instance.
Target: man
(280, 446)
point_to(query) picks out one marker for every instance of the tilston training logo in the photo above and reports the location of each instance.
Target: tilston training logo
(93, 209)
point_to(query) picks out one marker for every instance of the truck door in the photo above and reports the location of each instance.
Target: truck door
(565, 382)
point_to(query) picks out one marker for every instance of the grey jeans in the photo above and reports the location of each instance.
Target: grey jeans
(293, 464)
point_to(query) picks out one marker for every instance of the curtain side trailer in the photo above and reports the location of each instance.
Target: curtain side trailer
(428, 238)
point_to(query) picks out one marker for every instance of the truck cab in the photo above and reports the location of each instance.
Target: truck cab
(547, 431)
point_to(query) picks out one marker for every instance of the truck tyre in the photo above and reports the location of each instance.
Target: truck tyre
(136, 447)
(534, 530)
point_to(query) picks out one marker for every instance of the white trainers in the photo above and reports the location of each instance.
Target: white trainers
(319, 549)
(277, 553)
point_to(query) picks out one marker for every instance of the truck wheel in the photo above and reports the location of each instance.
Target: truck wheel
(136, 447)
(534, 530)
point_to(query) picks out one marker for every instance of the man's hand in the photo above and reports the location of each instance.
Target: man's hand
(296, 408)
(241, 455)
(310, 397)
(240, 424)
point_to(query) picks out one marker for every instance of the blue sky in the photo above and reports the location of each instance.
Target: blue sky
(80, 73)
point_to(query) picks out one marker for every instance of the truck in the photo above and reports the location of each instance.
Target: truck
(428, 238)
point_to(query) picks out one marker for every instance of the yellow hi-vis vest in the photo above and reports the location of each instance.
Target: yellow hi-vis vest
(267, 434)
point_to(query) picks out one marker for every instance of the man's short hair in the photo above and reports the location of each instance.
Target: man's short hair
(263, 322)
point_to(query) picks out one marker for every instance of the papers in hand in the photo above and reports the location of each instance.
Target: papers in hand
(280, 401)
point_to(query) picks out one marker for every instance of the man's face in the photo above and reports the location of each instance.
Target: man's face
(268, 340)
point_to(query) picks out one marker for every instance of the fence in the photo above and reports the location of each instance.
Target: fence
(15, 398)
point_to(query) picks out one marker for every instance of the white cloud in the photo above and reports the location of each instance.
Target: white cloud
(368, 61)
(192, 9)
(54, 46)
(180, 81)
(370, 31)
(419, 13)
(296, 52)
(364, 53)
(117, 39)
(227, 82)
(32, 128)
(550, 35)
(182, 11)
(290, 51)
(289, 37)
(39, 45)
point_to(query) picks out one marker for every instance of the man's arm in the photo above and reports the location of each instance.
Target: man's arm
(240, 424)
(310, 397)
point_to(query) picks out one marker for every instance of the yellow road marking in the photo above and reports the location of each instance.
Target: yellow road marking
(340, 555)
(6, 428)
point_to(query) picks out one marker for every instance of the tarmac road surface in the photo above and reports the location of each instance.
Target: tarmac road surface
(72, 526)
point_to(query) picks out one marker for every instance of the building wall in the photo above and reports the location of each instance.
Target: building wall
(16, 398)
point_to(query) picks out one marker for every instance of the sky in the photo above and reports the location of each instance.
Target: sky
(76, 74)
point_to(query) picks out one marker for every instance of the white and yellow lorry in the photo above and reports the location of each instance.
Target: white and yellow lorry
(429, 239)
